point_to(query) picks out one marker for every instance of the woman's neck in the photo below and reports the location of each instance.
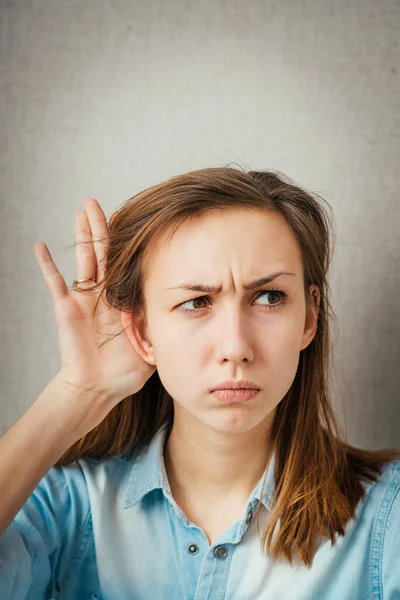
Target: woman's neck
(204, 463)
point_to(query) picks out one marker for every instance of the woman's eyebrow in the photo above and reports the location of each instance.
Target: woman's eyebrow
(212, 289)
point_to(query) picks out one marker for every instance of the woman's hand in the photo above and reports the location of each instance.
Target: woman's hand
(113, 370)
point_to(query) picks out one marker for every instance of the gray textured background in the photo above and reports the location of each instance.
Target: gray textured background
(105, 98)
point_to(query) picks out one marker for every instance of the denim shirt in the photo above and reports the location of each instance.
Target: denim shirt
(110, 529)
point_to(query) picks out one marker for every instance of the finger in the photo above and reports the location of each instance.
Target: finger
(85, 256)
(51, 275)
(98, 226)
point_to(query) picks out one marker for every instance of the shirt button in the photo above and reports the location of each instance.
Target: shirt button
(193, 549)
(220, 552)
(249, 516)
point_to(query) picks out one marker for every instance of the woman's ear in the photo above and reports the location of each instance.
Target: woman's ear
(311, 321)
(136, 332)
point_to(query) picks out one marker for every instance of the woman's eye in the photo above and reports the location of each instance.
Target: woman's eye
(279, 298)
(275, 293)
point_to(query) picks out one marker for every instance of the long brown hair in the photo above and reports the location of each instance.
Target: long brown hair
(318, 476)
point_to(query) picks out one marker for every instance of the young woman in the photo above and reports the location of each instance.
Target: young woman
(187, 448)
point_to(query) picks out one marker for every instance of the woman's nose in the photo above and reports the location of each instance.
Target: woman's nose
(234, 337)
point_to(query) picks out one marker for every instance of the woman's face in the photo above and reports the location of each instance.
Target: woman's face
(235, 334)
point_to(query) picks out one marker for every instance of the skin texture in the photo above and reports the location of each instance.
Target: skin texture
(218, 450)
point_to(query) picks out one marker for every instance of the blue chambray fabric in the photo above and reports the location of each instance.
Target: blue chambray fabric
(111, 530)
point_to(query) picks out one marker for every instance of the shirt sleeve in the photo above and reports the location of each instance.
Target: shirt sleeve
(39, 545)
(391, 542)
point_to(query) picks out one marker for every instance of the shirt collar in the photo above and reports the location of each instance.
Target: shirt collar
(148, 473)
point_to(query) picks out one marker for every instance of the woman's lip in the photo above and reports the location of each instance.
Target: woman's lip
(243, 384)
(223, 388)
(235, 395)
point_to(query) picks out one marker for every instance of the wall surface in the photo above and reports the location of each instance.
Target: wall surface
(105, 98)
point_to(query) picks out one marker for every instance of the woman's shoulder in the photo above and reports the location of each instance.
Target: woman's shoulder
(61, 484)
(389, 479)
(381, 508)
(388, 497)
(385, 538)
(382, 493)
(391, 470)
(107, 473)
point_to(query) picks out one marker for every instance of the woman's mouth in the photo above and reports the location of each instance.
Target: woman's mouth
(239, 395)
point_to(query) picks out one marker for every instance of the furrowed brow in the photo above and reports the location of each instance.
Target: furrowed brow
(212, 289)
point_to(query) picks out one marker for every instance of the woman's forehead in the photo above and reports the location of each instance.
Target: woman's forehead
(217, 245)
